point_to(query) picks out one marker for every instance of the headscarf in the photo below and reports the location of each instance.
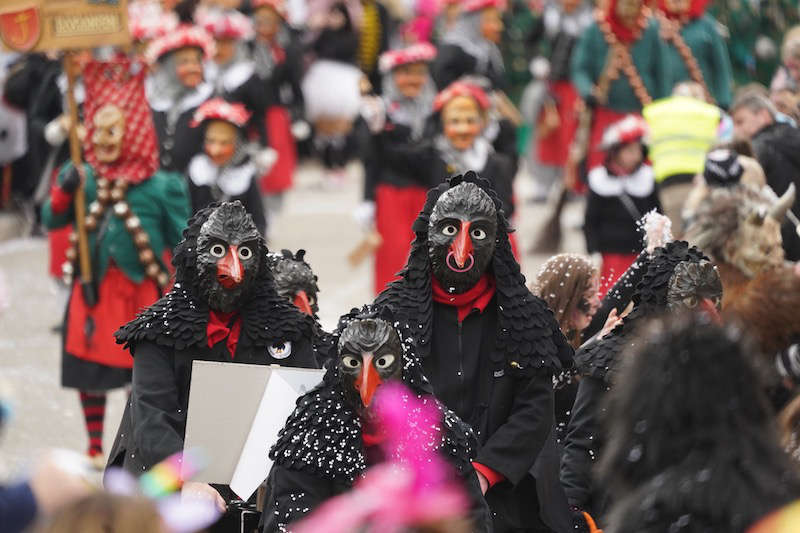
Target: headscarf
(623, 32)
(466, 34)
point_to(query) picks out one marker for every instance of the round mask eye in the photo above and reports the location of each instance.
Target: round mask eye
(690, 301)
(311, 300)
(245, 253)
(217, 250)
(350, 362)
(478, 234)
(449, 230)
(384, 361)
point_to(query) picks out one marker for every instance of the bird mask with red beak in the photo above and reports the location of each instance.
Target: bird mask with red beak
(695, 285)
(370, 354)
(461, 236)
(229, 254)
(295, 280)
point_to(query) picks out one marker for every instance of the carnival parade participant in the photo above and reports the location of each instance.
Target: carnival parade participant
(621, 191)
(727, 470)
(226, 170)
(176, 89)
(278, 57)
(223, 307)
(469, 47)
(619, 65)
(136, 213)
(394, 188)
(675, 277)
(697, 51)
(488, 346)
(333, 434)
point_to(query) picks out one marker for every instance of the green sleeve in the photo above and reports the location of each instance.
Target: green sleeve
(583, 62)
(52, 220)
(176, 208)
(722, 78)
(662, 75)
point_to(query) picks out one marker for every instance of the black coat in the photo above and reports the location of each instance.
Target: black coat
(452, 63)
(283, 86)
(506, 357)
(164, 340)
(179, 142)
(241, 85)
(609, 225)
(776, 148)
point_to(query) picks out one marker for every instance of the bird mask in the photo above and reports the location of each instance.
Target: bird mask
(294, 280)
(229, 250)
(461, 236)
(370, 354)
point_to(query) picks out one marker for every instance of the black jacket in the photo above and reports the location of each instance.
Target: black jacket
(283, 86)
(776, 148)
(506, 357)
(452, 63)
(179, 142)
(610, 225)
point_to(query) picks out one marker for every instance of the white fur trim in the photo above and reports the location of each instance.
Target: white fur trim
(232, 181)
(639, 184)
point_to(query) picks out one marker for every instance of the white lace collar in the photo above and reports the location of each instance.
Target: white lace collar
(232, 181)
(200, 94)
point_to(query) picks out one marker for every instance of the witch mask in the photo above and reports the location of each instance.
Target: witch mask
(229, 250)
(370, 354)
(109, 130)
(461, 236)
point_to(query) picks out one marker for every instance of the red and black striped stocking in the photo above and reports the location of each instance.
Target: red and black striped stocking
(94, 410)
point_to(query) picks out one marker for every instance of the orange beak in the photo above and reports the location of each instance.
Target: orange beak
(301, 302)
(462, 246)
(708, 307)
(229, 269)
(368, 381)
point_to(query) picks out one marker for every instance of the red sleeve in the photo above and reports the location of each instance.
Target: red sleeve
(491, 476)
(59, 200)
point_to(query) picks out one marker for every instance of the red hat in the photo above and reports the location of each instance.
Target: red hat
(278, 5)
(184, 36)
(629, 129)
(219, 109)
(147, 21)
(460, 88)
(417, 53)
(121, 83)
(476, 5)
(219, 24)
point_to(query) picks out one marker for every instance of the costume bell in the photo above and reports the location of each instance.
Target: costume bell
(488, 346)
(225, 170)
(223, 307)
(135, 214)
(333, 434)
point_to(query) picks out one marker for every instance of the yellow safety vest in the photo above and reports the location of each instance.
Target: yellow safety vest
(682, 130)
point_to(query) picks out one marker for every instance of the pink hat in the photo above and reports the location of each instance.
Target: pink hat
(219, 109)
(417, 53)
(476, 5)
(629, 129)
(227, 25)
(184, 36)
(460, 88)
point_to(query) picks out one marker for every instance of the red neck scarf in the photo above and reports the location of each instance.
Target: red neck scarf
(478, 297)
(624, 33)
(696, 10)
(219, 328)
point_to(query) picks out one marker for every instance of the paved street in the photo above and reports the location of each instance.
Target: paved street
(314, 217)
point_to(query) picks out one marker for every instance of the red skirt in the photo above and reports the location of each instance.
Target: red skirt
(602, 118)
(90, 331)
(58, 239)
(553, 149)
(279, 177)
(614, 266)
(396, 209)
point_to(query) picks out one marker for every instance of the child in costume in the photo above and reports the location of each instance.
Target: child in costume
(225, 171)
(136, 212)
(176, 89)
(621, 191)
(395, 191)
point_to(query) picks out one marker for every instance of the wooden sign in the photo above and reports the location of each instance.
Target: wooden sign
(45, 25)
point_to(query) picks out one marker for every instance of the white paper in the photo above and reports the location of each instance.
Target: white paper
(285, 385)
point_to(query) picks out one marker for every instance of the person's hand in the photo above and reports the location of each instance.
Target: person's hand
(484, 483)
(55, 484)
(612, 321)
(364, 214)
(373, 112)
(71, 181)
(193, 490)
